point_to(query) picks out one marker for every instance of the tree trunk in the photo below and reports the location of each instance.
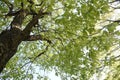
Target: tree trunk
(9, 41)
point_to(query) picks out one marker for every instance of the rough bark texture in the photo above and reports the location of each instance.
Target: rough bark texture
(10, 39)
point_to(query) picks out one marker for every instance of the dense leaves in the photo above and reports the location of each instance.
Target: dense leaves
(77, 51)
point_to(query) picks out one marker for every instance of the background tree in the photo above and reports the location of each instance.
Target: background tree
(59, 35)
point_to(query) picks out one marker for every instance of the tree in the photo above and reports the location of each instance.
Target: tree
(55, 34)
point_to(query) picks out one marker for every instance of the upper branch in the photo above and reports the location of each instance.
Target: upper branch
(114, 21)
(33, 22)
(19, 18)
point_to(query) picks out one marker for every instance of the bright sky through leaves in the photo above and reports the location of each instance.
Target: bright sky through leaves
(84, 36)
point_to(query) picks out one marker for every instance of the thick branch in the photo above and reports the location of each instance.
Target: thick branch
(37, 37)
(33, 22)
(19, 18)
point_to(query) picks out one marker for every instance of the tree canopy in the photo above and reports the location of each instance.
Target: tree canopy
(80, 40)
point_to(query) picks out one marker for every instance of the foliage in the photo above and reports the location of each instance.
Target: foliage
(77, 51)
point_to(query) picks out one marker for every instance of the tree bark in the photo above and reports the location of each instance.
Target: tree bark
(9, 41)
